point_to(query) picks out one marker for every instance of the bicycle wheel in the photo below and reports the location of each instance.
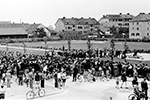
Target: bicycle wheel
(132, 97)
(41, 92)
(30, 95)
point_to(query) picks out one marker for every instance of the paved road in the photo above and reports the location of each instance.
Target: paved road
(98, 90)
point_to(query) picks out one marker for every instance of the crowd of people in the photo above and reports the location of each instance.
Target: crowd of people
(34, 69)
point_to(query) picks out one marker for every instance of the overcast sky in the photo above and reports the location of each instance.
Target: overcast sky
(48, 11)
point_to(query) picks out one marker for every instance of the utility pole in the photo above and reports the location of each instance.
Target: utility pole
(126, 47)
(7, 41)
(89, 47)
(112, 45)
(45, 41)
(69, 44)
(24, 47)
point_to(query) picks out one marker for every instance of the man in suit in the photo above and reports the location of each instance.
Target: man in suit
(144, 88)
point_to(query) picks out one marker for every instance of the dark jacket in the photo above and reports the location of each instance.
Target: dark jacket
(144, 85)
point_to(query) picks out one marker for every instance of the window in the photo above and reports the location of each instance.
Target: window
(137, 23)
(91, 29)
(133, 23)
(67, 22)
(132, 34)
(79, 27)
(147, 34)
(127, 24)
(91, 25)
(137, 28)
(73, 25)
(85, 31)
(86, 27)
(120, 20)
(148, 28)
(69, 27)
(133, 28)
(137, 34)
(120, 24)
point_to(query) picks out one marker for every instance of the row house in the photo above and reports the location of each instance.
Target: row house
(140, 26)
(81, 25)
(117, 20)
(19, 30)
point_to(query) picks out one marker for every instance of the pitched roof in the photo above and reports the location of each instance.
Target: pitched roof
(14, 25)
(117, 16)
(141, 17)
(12, 31)
(79, 21)
(32, 28)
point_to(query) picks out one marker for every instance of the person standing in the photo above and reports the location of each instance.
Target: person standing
(75, 72)
(63, 77)
(124, 79)
(144, 88)
(8, 79)
(31, 77)
(37, 79)
(20, 76)
(43, 79)
(56, 80)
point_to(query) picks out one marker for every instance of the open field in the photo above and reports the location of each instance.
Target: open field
(81, 44)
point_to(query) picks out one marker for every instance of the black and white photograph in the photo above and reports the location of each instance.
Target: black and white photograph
(74, 49)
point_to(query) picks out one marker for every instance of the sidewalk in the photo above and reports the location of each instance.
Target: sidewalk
(123, 94)
(17, 92)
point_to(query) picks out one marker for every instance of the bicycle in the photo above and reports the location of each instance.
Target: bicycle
(135, 97)
(49, 77)
(79, 78)
(32, 93)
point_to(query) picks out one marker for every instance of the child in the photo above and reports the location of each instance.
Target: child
(117, 83)
(2, 92)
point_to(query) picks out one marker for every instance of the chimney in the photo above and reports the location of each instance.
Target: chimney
(128, 13)
(81, 17)
(142, 13)
(120, 13)
(63, 17)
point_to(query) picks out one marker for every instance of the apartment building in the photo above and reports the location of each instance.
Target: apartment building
(81, 25)
(139, 26)
(117, 20)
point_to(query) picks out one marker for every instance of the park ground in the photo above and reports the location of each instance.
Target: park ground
(99, 90)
